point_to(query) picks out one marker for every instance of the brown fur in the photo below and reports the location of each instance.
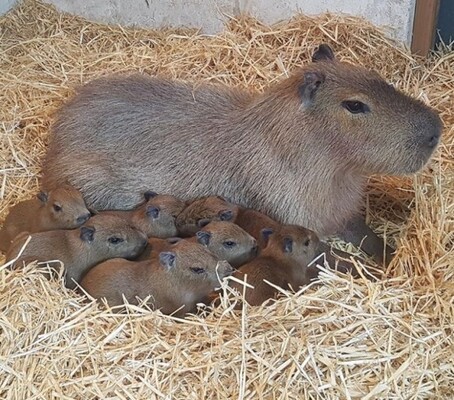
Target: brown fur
(160, 226)
(171, 287)
(156, 246)
(253, 222)
(39, 215)
(211, 208)
(203, 210)
(227, 241)
(281, 268)
(294, 152)
(77, 251)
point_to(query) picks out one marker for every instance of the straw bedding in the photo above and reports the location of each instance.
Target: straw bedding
(342, 339)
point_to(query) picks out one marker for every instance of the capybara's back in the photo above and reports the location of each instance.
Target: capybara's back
(144, 123)
(301, 152)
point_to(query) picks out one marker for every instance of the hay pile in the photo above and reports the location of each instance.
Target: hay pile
(343, 340)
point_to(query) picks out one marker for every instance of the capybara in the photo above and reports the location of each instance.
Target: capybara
(61, 208)
(283, 262)
(100, 238)
(201, 211)
(156, 216)
(156, 246)
(301, 152)
(177, 280)
(226, 240)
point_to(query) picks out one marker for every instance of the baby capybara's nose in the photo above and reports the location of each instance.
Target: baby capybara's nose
(83, 218)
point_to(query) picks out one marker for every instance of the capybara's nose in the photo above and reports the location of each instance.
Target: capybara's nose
(228, 269)
(254, 249)
(144, 239)
(432, 129)
(433, 141)
(83, 218)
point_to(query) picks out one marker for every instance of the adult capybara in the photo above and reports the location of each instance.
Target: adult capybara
(283, 262)
(301, 152)
(177, 280)
(101, 238)
(61, 208)
(154, 217)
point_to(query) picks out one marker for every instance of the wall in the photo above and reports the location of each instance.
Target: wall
(210, 14)
(5, 5)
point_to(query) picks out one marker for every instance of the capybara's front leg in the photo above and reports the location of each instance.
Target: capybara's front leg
(361, 235)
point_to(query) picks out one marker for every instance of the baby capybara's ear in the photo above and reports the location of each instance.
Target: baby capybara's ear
(167, 259)
(87, 233)
(226, 215)
(42, 196)
(287, 245)
(153, 211)
(149, 194)
(323, 53)
(203, 237)
(266, 233)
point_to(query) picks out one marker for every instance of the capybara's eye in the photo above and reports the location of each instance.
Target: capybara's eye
(307, 242)
(57, 207)
(115, 240)
(197, 270)
(355, 107)
(229, 244)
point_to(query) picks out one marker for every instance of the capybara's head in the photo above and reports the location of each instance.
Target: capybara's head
(228, 241)
(158, 215)
(109, 236)
(362, 121)
(64, 206)
(291, 242)
(202, 211)
(195, 266)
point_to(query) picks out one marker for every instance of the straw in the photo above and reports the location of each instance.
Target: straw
(338, 339)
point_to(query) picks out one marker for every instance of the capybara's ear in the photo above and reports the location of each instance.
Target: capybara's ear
(203, 222)
(149, 194)
(226, 215)
(288, 245)
(203, 237)
(167, 259)
(266, 233)
(323, 53)
(308, 89)
(153, 212)
(87, 233)
(42, 196)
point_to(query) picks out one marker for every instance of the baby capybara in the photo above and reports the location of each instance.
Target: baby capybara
(283, 262)
(61, 208)
(101, 238)
(176, 281)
